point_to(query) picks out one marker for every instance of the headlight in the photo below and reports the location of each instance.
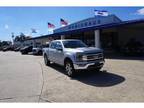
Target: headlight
(79, 57)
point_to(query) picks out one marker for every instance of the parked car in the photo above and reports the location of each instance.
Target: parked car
(1, 48)
(7, 48)
(46, 45)
(74, 55)
(37, 51)
(26, 49)
(17, 49)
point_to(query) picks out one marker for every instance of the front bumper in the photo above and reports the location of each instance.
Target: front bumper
(88, 65)
(35, 52)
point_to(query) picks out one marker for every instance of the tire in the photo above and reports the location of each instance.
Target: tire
(39, 53)
(69, 68)
(47, 62)
(23, 53)
(98, 69)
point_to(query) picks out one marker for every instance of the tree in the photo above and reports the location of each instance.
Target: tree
(17, 38)
(5, 43)
(20, 38)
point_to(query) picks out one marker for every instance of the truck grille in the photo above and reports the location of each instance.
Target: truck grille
(93, 57)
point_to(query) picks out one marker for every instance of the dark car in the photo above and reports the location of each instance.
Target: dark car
(8, 48)
(4, 49)
(26, 49)
(1, 48)
(17, 49)
(45, 45)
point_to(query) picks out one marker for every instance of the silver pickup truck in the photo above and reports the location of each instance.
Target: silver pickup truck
(73, 55)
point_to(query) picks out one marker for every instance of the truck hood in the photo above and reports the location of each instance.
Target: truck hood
(85, 50)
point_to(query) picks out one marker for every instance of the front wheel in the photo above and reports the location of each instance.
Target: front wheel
(24, 53)
(47, 62)
(97, 69)
(69, 68)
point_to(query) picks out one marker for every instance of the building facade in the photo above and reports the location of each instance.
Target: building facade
(107, 32)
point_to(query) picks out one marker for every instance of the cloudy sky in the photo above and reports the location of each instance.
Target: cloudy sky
(22, 19)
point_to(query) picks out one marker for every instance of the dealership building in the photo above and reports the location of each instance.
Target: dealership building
(107, 32)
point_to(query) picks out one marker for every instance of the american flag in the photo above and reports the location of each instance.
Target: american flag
(63, 22)
(51, 25)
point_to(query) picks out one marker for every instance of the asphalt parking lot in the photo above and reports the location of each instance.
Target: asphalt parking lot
(25, 78)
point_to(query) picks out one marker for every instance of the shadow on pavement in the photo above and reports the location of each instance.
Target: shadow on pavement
(93, 78)
(100, 79)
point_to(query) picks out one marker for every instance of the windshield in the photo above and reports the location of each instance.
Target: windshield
(74, 44)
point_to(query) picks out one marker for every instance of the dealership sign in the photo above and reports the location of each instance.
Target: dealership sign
(89, 22)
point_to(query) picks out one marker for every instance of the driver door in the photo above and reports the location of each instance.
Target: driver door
(59, 55)
(52, 51)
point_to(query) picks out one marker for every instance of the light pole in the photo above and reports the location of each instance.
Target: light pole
(12, 38)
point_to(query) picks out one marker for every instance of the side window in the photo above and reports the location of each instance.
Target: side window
(69, 27)
(85, 23)
(78, 25)
(99, 21)
(75, 25)
(81, 24)
(89, 23)
(58, 45)
(53, 45)
(94, 22)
